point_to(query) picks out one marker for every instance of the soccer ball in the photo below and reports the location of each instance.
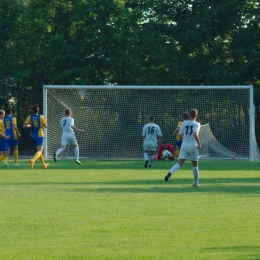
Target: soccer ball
(166, 153)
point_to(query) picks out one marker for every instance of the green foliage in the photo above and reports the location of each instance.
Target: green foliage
(125, 42)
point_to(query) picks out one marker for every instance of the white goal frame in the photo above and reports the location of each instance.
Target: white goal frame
(252, 137)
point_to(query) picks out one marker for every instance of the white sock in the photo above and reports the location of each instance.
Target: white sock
(145, 156)
(151, 159)
(76, 152)
(196, 174)
(175, 167)
(59, 151)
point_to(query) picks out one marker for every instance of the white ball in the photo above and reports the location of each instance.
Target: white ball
(166, 153)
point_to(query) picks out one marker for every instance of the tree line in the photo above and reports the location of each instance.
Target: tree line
(125, 42)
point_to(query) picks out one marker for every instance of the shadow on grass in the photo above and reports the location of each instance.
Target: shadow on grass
(175, 185)
(247, 252)
(204, 165)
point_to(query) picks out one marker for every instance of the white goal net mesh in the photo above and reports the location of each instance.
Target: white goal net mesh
(114, 118)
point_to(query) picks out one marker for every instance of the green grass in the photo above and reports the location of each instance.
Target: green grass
(119, 210)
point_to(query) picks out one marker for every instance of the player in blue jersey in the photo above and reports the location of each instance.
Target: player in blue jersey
(3, 138)
(12, 131)
(36, 122)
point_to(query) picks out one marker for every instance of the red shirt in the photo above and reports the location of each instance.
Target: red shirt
(161, 148)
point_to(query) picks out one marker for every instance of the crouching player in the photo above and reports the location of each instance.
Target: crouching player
(165, 150)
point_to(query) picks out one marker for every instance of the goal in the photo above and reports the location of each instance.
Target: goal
(113, 117)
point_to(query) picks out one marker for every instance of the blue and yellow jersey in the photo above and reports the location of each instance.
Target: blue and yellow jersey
(9, 122)
(2, 128)
(178, 136)
(36, 121)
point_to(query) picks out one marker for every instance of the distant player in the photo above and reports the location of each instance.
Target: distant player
(150, 135)
(185, 116)
(189, 149)
(165, 146)
(36, 122)
(68, 136)
(12, 131)
(4, 151)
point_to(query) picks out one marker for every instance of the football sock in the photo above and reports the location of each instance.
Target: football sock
(145, 156)
(151, 159)
(175, 167)
(196, 174)
(15, 156)
(6, 159)
(177, 153)
(41, 158)
(76, 152)
(2, 158)
(59, 151)
(37, 155)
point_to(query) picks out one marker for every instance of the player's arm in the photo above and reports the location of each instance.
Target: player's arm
(78, 130)
(170, 148)
(4, 136)
(176, 131)
(27, 123)
(43, 121)
(16, 130)
(160, 139)
(196, 136)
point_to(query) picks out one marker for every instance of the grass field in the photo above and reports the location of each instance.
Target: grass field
(120, 210)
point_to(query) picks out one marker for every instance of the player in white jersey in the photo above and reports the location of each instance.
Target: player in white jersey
(190, 145)
(150, 135)
(68, 136)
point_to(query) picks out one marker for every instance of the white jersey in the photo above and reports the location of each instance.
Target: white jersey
(187, 130)
(151, 131)
(66, 124)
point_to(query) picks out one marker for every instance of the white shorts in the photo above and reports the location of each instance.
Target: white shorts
(186, 153)
(149, 147)
(68, 140)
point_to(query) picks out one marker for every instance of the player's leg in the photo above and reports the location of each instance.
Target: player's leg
(4, 149)
(64, 143)
(177, 152)
(4, 155)
(76, 154)
(6, 159)
(74, 141)
(175, 167)
(15, 148)
(38, 142)
(8, 142)
(151, 153)
(145, 159)
(145, 155)
(194, 159)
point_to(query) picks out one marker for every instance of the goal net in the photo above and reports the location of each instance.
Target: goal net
(113, 117)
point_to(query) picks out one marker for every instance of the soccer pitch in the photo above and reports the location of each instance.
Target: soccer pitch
(120, 210)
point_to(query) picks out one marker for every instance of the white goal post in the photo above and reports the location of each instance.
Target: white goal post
(113, 117)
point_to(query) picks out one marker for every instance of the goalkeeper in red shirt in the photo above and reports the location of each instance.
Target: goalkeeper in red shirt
(165, 150)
